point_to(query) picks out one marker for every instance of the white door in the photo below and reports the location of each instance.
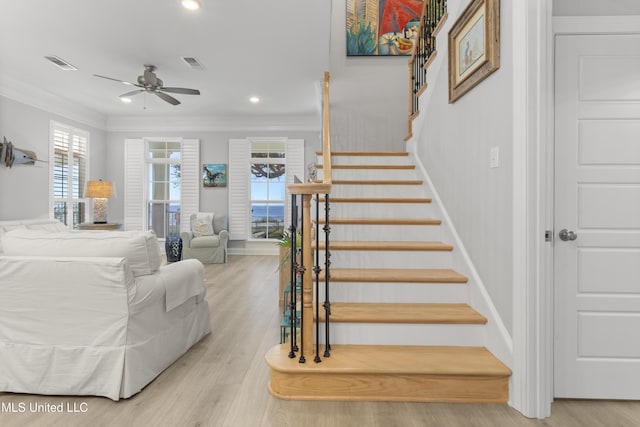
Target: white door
(597, 200)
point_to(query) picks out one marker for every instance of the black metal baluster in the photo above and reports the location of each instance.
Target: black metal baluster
(292, 283)
(327, 277)
(301, 271)
(316, 270)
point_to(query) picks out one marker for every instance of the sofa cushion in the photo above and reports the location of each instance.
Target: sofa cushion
(202, 226)
(139, 248)
(34, 224)
(205, 242)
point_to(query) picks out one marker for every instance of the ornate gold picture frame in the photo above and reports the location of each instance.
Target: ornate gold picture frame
(474, 46)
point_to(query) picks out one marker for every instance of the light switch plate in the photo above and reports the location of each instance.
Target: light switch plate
(494, 160)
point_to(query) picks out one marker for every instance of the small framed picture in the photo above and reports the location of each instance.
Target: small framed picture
(474, 46)
(214, 175)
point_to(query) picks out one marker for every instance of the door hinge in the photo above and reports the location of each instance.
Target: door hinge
(548, 235)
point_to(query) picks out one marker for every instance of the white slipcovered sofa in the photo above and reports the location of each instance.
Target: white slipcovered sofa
(93, 313)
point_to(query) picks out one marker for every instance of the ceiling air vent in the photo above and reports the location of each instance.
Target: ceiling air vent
(192, 62)
(60, 63)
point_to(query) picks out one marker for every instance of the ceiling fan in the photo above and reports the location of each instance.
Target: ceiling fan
(149, 82)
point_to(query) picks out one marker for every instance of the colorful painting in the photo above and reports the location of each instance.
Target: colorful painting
(382, 27)
(214, 175)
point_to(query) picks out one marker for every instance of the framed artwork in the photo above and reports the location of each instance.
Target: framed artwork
(382, 27)
(474, 46)
(214, 175)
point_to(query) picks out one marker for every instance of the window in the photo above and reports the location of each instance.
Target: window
(260, 169)
(69, 149)
(164, 162)
(161, 184)
(268, 189)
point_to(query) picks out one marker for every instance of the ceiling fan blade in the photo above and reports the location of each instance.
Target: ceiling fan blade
(116, 80)
(128, 94)
(182, 90)
(170, 99)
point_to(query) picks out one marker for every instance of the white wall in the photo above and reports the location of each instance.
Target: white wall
(595, 7)
(454, 143)
(369, 95)
(24, 190)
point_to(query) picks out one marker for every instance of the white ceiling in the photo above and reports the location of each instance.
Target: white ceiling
(275, 49)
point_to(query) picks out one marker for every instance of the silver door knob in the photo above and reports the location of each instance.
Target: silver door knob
(565, 235)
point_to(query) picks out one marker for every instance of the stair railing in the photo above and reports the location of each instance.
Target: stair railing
(301, 196)
(425, 45)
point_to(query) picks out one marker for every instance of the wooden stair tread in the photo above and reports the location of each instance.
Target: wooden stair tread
(422, 313)
(393, 275)
(377, 200)
(393, 167)
(366, 153)
(374, 181)
(385, 246)
(382, 221)
(395, 360)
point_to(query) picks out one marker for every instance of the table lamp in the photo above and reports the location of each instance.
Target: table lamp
(99, 191)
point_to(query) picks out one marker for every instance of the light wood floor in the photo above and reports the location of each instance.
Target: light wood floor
(222, 381)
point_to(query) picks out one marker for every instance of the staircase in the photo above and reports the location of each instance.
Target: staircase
(401, 325)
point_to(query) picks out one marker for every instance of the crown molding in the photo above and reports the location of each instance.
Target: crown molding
(53, 104)
(212, 124)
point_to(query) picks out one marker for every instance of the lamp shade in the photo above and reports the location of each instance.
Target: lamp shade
(100, 189)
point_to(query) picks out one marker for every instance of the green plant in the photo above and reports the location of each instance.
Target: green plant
(361, 39)
(286, 242)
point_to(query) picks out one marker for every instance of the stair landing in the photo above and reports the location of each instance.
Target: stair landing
(391, 373)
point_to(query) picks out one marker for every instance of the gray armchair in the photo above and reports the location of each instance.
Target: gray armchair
(207, 240)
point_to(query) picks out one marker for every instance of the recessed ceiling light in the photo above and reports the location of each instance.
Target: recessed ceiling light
(254, 99)
(191, 4)
(125, 100)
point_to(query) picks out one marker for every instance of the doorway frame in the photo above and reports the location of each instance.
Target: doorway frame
(533, 192)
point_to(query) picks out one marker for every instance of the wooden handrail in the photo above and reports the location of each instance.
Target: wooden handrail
(326, 131)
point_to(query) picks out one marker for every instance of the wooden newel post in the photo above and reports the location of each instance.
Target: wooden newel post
(307, 282)
(307, 190)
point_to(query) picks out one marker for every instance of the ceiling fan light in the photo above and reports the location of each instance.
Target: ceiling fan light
(254, 99)
(191, 4)
(125, 99)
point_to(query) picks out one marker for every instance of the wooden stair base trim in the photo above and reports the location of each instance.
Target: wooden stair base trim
(367, 153)
(391, 373)
(385, 246)
(414, 313)
(382, 221)
(373, 167)
(391, 275)
(389, 388)
(377, 200)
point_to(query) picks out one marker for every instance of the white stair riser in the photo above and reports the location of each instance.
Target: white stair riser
(403, 334)
(403, 233)
(368, 160)
(371, 190)
(389, 259)
(396, 292)
(377, 210)
(367, 174)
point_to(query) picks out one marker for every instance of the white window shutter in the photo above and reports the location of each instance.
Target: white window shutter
(294, 157)
(134, 179)
(190, 177)
(239, 175)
